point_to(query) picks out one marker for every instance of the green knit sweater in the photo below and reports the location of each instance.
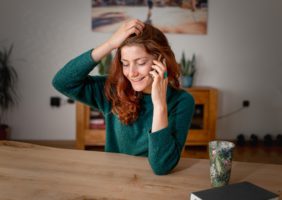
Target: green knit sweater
(163, 148)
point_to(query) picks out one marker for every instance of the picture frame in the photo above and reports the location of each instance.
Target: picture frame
(170, 16)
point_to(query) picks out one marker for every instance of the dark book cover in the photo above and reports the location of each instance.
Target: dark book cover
(237, 191)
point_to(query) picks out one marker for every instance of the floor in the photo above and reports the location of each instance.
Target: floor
(247, 153)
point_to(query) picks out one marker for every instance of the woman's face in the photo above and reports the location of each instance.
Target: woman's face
(136, 65)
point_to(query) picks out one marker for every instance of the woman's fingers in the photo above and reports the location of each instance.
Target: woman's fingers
(159, 63)
(135, 26)
(154, 74)
(136, 22)
(124, 31)
(136, 30)
(160, 68)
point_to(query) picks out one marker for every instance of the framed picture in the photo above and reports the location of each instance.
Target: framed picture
(170, 16)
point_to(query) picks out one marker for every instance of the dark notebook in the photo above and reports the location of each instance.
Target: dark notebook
(237, 191)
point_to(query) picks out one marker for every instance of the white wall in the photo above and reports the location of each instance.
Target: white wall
(240, 55)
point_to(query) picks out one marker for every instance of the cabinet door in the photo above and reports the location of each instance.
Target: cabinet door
(85, 136)
(199, 130)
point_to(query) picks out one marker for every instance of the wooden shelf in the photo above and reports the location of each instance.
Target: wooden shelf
(205, 97)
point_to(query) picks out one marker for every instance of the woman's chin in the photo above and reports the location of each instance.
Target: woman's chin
(138, 88)
(142, 89)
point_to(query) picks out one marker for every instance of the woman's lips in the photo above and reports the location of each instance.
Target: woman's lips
(137, 80)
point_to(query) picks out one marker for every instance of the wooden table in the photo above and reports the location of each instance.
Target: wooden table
(30, 171)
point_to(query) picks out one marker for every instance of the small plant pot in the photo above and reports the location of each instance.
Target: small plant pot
(4, 132)
(186, 81)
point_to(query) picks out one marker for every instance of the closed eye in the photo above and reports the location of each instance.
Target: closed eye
(142, 62)
(124, 65)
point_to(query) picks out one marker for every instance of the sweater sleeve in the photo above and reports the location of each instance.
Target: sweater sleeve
(74, 81)
(165, 145)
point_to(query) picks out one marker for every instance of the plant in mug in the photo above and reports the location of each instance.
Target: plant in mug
(8, 80)
(105, 64)
(188, 70)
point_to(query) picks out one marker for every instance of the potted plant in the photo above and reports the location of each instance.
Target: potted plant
(105, 64)
(8, 96)
(188, 69)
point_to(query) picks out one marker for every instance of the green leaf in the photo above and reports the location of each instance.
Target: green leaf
(105, 64)
(8, 79)
(187, 66)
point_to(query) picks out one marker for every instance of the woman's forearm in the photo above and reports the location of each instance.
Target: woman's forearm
(101, 51)
(160, 118)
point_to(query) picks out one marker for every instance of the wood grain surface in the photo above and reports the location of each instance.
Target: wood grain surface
(29, 171)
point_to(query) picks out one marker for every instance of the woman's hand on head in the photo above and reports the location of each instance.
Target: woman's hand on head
(133, 26)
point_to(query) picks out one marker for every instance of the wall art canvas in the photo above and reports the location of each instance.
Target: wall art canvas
(170, 16)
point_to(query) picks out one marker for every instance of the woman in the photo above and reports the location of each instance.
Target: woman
(146, 113)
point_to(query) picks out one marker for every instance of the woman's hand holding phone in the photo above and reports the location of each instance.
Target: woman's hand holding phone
(158, 93)
(160, 81)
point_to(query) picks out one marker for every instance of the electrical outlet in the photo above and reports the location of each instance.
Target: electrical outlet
(55, 101)
(246, 103)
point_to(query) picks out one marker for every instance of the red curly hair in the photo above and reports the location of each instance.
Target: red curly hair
(125, 101)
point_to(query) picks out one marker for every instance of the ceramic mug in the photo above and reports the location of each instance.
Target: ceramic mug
(220, 153)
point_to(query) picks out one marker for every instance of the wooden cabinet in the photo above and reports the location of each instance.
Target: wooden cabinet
(202, 129)
(203, 125)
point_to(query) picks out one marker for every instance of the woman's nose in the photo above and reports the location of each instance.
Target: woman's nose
(133, 71)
